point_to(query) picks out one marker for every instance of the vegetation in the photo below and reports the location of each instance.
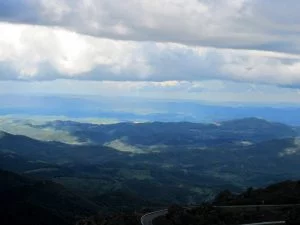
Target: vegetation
(175, 163)
(175, 134)
(284, 198)
(28, 201)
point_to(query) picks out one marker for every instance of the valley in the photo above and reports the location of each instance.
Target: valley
(177, 163)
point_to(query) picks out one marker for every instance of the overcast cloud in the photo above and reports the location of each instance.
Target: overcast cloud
(250, 24)
(181, 41)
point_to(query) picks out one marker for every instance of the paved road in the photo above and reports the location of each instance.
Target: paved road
(266, 223)
(149, 217)
(254, 206)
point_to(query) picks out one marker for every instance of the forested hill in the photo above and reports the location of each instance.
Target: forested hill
(277, 202)
(29, 201)
(179, 133)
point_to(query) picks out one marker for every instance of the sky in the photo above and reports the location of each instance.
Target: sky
(217, 51)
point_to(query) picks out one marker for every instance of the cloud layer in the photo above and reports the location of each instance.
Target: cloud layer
(153, 48)
(247, 24)
(42, 53)
(213, 91)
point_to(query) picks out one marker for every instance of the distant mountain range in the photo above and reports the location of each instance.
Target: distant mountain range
(176, 133)
(129, 167)
(136, 110)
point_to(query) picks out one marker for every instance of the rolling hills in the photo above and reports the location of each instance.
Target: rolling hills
(183, 163)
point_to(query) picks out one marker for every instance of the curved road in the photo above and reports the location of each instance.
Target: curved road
(149, 217)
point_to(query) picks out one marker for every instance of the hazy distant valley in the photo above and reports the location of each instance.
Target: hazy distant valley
(126, 167)
(193, 160)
